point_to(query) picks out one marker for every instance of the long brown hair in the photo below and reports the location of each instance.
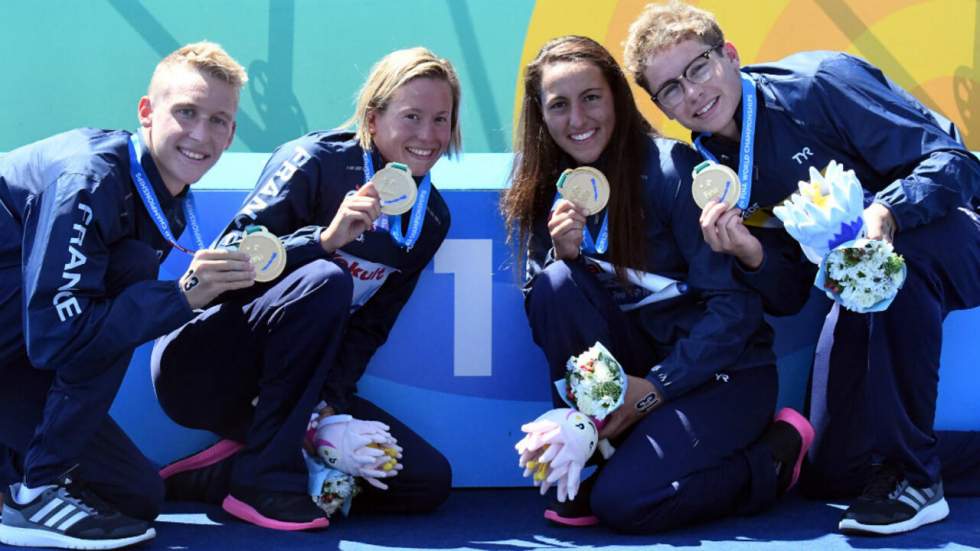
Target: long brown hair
(537, 157)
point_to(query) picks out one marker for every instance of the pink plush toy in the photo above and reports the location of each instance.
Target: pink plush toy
(555, 449)
(359, 448)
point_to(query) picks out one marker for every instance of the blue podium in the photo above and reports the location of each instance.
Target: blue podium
(461, 353)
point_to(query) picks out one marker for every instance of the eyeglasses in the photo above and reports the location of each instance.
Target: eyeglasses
(698, 71)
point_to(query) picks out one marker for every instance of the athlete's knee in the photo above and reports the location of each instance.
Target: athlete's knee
(553, 288)
(328, 286)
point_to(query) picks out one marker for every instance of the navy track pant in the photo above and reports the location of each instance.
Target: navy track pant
(277, 343)
(875, 379)
(60, 418)
(696, 457)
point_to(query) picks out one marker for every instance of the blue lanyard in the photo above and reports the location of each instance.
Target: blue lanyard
(149, 198)
(394, 223)
(747, 142)
(589, 245)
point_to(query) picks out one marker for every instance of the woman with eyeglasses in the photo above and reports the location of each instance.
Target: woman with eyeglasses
(875, 376)
(695, 437)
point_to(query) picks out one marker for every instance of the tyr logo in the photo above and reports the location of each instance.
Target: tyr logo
(803, 155)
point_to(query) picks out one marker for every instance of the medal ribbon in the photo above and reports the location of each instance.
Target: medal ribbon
(417, 219)
(747, 142)
(145, 191)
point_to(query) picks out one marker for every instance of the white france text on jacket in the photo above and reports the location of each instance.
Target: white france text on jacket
(281, 176)
(64, 301)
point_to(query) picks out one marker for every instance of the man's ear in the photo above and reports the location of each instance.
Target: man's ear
(144, 110)
(731, 53)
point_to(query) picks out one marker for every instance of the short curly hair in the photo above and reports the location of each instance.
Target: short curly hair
(659, 27)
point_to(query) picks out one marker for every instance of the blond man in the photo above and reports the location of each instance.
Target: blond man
(87, 217)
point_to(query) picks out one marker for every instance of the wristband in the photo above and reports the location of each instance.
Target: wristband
(648, 402)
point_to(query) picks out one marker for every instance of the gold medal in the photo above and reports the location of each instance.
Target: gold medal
(265, 251)
(715, 181)
(396, 188)
(586, 187)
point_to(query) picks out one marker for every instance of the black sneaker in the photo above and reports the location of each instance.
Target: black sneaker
(68, 517)
(574, 512)
(275, 510)
(889, 505)
(204, 476)
(788, 438)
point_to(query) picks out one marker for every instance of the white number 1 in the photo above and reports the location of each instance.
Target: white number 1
(471, 263)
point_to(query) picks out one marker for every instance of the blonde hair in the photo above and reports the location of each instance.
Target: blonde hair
(391, 73)
(207, 57)
(661, 26)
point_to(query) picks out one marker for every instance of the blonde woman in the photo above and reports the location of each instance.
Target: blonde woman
(300, 343)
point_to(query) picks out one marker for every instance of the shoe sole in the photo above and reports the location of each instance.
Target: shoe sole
(590, 520)
(28, 537)
(246, 512)
(934, 512)
(223, 449)
(802, 426)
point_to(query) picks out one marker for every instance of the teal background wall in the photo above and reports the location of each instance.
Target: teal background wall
(70, 63)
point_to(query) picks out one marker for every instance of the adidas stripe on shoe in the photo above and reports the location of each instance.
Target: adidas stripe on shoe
(65, 519)
(902, 509)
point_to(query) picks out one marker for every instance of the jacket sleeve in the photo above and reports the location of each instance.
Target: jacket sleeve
(730, 313)
(784, 278)
(368, 329)
(930, 173)
(540, 252)
(72, 321)
(287, 201)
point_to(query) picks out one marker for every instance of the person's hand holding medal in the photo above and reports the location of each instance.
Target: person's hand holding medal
(214, 271)
(584, 191)
(716, 189)
(355, 216)
(259, 256)
(391, 191)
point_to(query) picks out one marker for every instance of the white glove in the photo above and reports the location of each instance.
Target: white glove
(555, 450)
(358, 448)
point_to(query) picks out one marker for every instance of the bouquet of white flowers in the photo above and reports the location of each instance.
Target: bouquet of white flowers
(864, 276)
(825, 218)
(595, 383)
